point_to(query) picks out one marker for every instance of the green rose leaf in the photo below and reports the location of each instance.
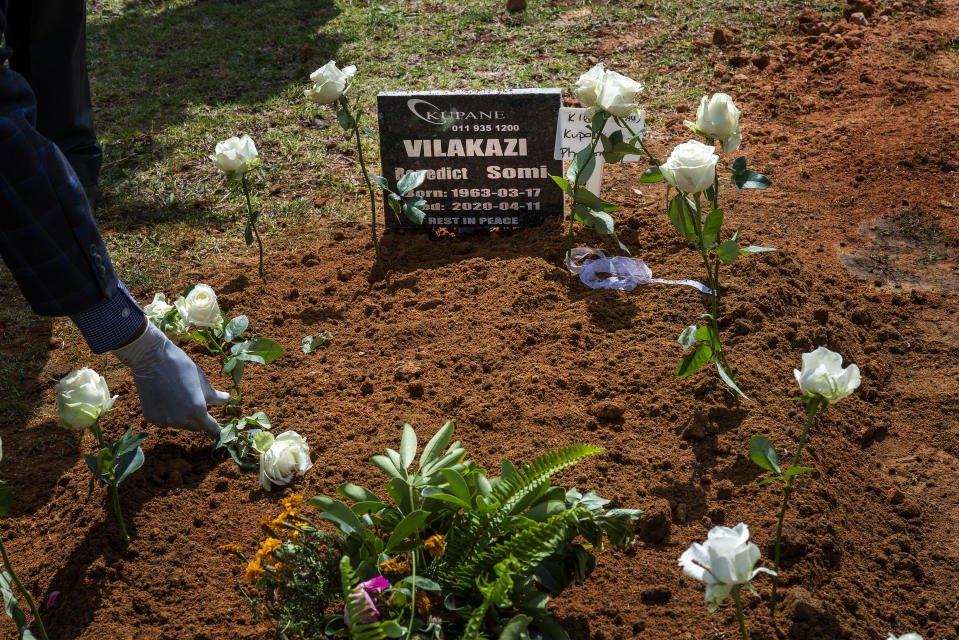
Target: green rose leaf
(369, 132)
(310, 343)
(694, 361)
(653, 174)
(563, 184)
(594, 202)
(410, 181)
(763, 453)
(257, 349)
(413, 210)
(729, 381)
(679, 215)
(235, 328)
(749, 179)
(345, 119)
(728, 251)
(581, 167)
(795, 471)
(380, 181)
(739, 164)
(688, 337)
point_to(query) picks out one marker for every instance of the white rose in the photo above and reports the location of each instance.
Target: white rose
(610, 91)
(235, 156)
(82, 397)
(691, 167)
(725, 560)
(822, 376)
(589, 86)
(907, 636)
(199, 308)
(718, 118)
(157, 309)
(329, 82)
(289, 455)
(618, 95)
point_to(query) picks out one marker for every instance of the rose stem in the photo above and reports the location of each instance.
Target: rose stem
(95, 428)
(23, 590)
(812, 407)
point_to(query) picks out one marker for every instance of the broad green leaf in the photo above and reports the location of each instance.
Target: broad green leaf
(397, 461)
(421, 583)
(653, 174)
(356, 493)
(235, 328)
(729, 381)
(763, 453)
(795, 471)
(410, 181)
(408, 526)
(435, 493)
(237, 372)
(768, 480)
(714, 222)
(380, 181)
(367, 507)
(407, 446)
(702, 333)
(728, 251)
(369, 132)
(749, 179)
(755, 249)
(739, 164)
(693, 361)
(688, 337)
(598, 122)
(516, 627)
(437, 444)
(338, 513)
(456, 485)
(247, 357)
(392, 629)
(386, 465)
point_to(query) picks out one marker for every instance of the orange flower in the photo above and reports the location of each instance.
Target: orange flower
(291, 503)
(435, 545)
(423, 603)
(232, 549)
(253, 571)
(395, 566)
(267, 547)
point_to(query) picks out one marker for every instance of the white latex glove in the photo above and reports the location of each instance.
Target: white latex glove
(173, 390)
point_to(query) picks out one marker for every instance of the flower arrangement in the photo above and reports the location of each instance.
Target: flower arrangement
(453, 553)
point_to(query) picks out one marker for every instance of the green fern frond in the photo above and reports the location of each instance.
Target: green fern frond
(357, 607)
(528, 548)
(513, 493)
(494, 593)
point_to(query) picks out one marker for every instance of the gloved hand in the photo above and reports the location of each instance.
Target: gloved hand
(173, 390)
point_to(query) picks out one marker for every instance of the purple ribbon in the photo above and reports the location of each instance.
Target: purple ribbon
(599, 272)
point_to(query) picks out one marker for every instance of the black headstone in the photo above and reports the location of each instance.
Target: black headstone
(489, 155)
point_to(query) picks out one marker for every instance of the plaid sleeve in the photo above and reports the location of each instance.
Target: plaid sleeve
(48, 237)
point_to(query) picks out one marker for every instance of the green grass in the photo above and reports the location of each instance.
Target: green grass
(170, 78)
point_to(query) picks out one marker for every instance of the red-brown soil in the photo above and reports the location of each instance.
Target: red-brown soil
(861, 144)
